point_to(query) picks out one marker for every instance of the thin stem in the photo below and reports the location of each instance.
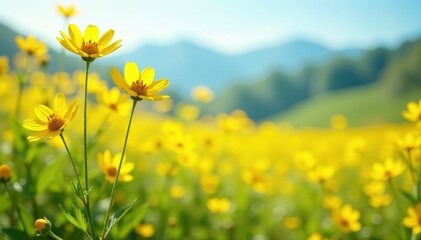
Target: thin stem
(54, 236)
(15, 204)
(72, 161)
(118, 171)
(401, 211)
(85, 148)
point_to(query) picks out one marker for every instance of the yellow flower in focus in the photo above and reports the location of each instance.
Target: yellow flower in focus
(114, 101)
(202, 94)
(67, 12)
(89, 45)
(4, 65)
(5, 173)
(43, 226)
(31, 45)
(218, 205)
(145, 230)
(176, 192)
(51, 123)
(140, 86)
(109, 166)
(413, 112)
(338, 122)
(389, 169)
(346, 219)
(412, 220)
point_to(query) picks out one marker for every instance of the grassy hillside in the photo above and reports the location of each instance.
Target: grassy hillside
(364, 105)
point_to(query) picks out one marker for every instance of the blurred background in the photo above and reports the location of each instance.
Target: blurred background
(300, 62)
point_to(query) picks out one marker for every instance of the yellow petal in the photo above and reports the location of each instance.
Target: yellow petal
(43, 112)
(158, 86)
(131, 72)
(37, 136)
(67, 46)
(125, 178)
(118, 79)
(105, 39)
(91, 34)
(34, 125)
(60, 104)
(71, 111)
(127, 167)
(101, 163)
(148, 74)
(117, 158)
(75, 35)
(111, 48)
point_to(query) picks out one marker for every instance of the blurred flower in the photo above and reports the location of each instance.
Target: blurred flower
(321, 173)
(202, 94)
(412, 220)
(43, 226)
(4, 65)
(188, 112)
(331, 202)
(338, 122)
(43, 59)
(167, 169)
(51, 123)
(67, 12)
(305, 160)
(139, 86)
(258, 180)
(292, 222)
(210, 183)
(413, 112)
(5, 173)
(218, 205)
(389, 169)
(315, 236)
(347, 219)
(382, 200)
(89, 46)
(163, 106)
(109, 166)
(409, 142)
(176, 192)
(145, 230)
(114, 101)
(31, 45)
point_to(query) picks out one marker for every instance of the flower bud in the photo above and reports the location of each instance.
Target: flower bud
(43, 226)
(5, 173)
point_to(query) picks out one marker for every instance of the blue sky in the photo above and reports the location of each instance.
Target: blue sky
(230, 26)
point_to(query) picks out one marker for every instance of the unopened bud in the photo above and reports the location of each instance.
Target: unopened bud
(5, 173)
(43, 226)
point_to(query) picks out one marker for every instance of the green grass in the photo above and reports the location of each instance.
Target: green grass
(367, 105)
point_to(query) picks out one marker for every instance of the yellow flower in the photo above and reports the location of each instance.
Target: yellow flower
(67, 12)
(89, 45)
(413, 112)
(409, 142)
(315, 236)
(145, 230)
(4, 65)
(139, 85)
(51, 123)
(389, 169)
(202, 94)
(218, 205)
(5, 173)
(109, 166)
(412, 220)
(113, 100)
(291, 222)
(210, 183)
(177, 192)
(331, 202)
(43, 226)
(31, 45)
(321, 173)
(338, 122)
(346, 219)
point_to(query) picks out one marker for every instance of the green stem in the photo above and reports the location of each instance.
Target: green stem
(54, 236)
(401, 211)
(15, 204)
(85, 148)
(118, 171)
(73, 163)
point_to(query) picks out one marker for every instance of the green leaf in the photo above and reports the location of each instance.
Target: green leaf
(27, 218)
(117, 216)
(14, 233)
(48, 176)
(408, 196)
(79, 221)
(129, 222)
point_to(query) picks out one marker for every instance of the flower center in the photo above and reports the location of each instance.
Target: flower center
(113, 106)
(90, 47)
(112, 171)
(55, 122)
(344, 223)
(139, 87)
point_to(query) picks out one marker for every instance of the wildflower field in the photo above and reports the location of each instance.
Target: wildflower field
(82, 157)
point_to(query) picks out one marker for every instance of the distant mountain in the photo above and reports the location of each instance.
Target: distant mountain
(188, 65)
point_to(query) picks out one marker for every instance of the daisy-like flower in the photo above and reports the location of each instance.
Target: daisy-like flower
(391, 168)
(89, 45)
(139, 85)
(109, 166)
(413, 112)
(413, 219)
(31, 45)
(113, 100)
(67, 12)
(218, 205)
(51, 122)
(346, 219)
